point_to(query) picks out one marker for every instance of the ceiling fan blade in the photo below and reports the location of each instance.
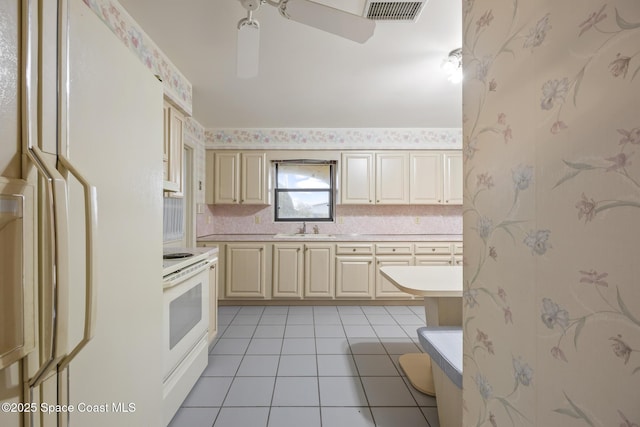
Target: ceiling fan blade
(248, 50)
(329, 19)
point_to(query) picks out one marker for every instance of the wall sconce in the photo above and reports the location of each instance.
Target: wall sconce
(452, 65)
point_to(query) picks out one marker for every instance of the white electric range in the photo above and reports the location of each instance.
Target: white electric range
(185, 324)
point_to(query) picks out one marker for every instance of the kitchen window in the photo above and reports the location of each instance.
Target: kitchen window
(304, 190)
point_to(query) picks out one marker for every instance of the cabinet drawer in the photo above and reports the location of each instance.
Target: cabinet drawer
(354, 249)
(457, 248)
(394, 248)
(433, 248)
(433, 260)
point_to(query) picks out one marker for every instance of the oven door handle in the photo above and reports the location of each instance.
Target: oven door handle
(91, 227)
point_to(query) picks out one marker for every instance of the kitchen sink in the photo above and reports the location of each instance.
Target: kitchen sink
(304, 236)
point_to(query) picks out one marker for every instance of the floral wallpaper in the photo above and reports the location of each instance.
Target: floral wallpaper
(551, 135)
(177, 87)
(334, 138)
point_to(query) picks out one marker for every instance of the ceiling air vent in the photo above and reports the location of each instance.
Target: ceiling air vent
(398, 10)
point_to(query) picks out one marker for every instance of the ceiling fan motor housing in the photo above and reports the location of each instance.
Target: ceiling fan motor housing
(251, 4)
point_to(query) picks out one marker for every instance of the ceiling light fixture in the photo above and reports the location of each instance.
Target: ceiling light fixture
(452, 65)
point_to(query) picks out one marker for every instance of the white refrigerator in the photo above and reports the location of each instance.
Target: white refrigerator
(80, 222)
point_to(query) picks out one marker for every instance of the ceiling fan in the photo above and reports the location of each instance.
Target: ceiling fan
(322, 17)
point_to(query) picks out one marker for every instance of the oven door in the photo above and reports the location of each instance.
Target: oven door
(186, 316)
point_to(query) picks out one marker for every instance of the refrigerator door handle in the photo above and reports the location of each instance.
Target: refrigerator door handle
(91, 224)
(57, 288)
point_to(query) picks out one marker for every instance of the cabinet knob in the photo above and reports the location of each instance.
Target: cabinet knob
(394, 249)
(446, 201)
(377, 201)
(354, 249)
(439, 201)
(433, 249)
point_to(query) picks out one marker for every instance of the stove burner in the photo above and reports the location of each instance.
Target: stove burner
(177, 255)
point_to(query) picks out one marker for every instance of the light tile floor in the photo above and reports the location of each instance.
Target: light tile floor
(320, 366)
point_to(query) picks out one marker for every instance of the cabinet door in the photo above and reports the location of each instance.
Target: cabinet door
(319, 271)
(253, 179)
(174, 129)
(384, 288)
(213, 301)
(227, 175)
(245, 270)
(288, 268)
(425, 185)
(358, 183)
(354, 276)
(453, 177)
(392, 178)
(166, 143)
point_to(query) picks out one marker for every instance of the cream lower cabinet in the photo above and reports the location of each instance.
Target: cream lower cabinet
(213, 301)
(319, 271)
(438, 253)
(384, 288)
(287, 277)
(245, 270)
(392, 253)
(355, 271)
(354, 276)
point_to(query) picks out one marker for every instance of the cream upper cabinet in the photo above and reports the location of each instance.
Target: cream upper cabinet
(238, 178)
(173, 149)
(226, 171)
(358, 179)
(453, 177)
(253, 182)
(245, 270)
(436, 178)
(319, 270)
(392, 178)
(426, 178)
(288, 270)
(375, 178)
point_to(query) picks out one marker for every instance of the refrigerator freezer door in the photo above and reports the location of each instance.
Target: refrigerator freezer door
(112, 134)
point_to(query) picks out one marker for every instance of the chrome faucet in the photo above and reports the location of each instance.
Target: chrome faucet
(316, 230)
(303, 229)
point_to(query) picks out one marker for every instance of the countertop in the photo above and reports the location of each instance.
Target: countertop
(337, 238)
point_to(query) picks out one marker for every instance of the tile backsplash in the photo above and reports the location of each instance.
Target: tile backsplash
(387, 219)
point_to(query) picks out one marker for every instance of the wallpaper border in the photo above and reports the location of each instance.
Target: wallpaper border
(342, 138)
(117, 19)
